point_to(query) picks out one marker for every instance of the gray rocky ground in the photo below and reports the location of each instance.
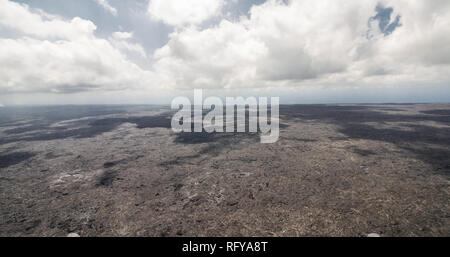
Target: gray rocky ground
(342, 170)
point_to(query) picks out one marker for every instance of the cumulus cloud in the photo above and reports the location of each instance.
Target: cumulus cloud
(313, 42)
(60, 56)
(19, 17)
(278, 45)
(32, 65)
(105, 5)
(121, 40)
(119, 35)
(180, 13)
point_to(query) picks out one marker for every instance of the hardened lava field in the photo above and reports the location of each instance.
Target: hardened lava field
(337, 170)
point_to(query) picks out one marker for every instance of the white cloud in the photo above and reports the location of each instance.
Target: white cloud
(187, 12)
(18, 17)
(32, 65)
(121, 41)
(119, 35)
(304, 43)
(311, 42)
(105, 5)
(61, 56)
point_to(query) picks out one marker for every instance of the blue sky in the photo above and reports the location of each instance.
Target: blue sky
(149, 51)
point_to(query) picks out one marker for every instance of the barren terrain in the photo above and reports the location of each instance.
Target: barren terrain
(337, 170)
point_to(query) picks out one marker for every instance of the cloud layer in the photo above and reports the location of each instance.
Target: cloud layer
(322, 42)
(279, 44)
(51, 54)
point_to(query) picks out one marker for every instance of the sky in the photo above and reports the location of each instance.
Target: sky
(150, 51)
